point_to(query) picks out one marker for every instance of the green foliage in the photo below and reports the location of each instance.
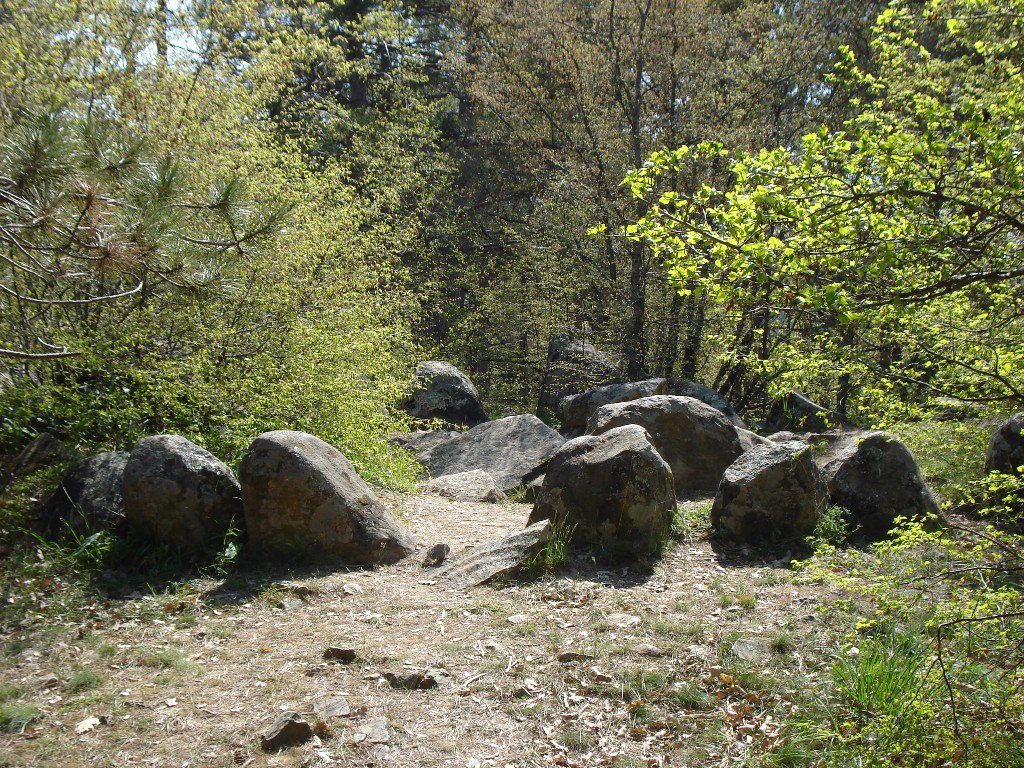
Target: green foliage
(83, 680)
(938, 669)
(553, 552)
(832, 529)
(311, 331)
(886, 256)
(16, 717)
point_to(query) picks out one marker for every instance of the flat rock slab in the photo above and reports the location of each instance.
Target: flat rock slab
(493, 559)
(513, 451)
(328, 708)
(475, 485)
(373, 730)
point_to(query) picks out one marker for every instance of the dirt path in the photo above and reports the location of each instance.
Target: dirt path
(194, 677)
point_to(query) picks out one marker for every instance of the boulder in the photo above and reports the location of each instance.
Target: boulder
(179, 494)
(1006, 447)
(696, 440)
(750, 440)
(795, 411)
(575, 411)
(610, 490)
(688, 388)
(574, 366)
(875, 477)
(303, 498)
(444, 392)
(513, 451)
(89, 496)
(785, 436)
(493, 559)
(532, 489)
(423, 442)
(475, 485)
(773, 492)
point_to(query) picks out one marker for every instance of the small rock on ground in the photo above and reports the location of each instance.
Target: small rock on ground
(288, 730)
(411, 681)
(436, 555)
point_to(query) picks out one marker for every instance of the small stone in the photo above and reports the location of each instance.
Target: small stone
(351, 589)
(342, 655)
(652, 651)
(751, 651)
(326, 709)
(288, 730)
(623, 620)
(301, 590)
(436, 555)
(290, 604)
(518, 618)
(373, 731)
(411, 681)
(566, 657)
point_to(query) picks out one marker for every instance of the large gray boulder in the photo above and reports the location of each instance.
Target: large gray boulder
(1006, 447)
(612, 490)
(750, 440)
(423, 442)
(689, 388)
(513, 451)
(574, 366)
(475, 485)
(575, 411)
(697, 440)
(773, 492)
(304, 499)
(875, 477)
(444, 392)
(493, 559)
(179, 494)
(797, 412)
(89, 496)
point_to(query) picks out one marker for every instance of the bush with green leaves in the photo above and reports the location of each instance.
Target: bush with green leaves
(879, 265)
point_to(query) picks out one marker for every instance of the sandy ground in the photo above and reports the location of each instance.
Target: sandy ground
(691, 664)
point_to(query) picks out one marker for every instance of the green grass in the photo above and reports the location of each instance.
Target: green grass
(83, 680)
(162, 658)
(9, 692)
(15, 717)
(676, 629)
(746, 600)
(782, 643)
(689, 695)
(552, 554)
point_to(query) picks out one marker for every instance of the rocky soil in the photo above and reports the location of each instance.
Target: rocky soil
(690, 663)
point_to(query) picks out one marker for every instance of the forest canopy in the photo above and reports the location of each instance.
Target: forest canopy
(886, 256)
(203, 197)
